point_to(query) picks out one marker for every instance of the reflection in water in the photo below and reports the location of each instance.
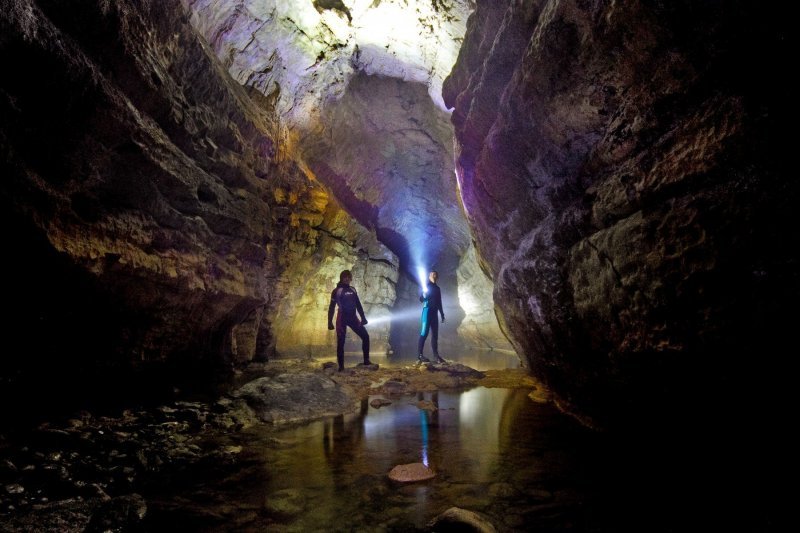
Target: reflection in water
(477, 359)
(331, 475)
(523, 465)
(423, 417)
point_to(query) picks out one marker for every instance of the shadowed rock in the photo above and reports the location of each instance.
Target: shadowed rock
(295, 397)
(462, 520)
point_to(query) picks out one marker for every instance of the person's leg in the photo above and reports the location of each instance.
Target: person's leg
(435, 341)
(361, 331)
(435, 336)
(341, 331)
(423, 334)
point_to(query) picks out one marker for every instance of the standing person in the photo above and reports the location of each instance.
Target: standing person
(432, 304)
(346, 298)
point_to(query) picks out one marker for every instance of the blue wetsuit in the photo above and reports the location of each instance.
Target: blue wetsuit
(432, 304)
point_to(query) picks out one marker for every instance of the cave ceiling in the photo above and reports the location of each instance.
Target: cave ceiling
(358, 84)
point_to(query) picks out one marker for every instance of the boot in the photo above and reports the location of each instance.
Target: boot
(440, 360)
(422, 359)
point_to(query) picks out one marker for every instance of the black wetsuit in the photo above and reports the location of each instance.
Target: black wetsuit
(346, 298)
(430, 322)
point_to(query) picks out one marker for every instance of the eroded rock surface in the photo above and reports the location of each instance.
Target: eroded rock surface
(157, 212)
(622, 173)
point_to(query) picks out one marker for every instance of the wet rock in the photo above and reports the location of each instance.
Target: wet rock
(66, 516)
(286, 503)
(540, 395)
(7, 467)
(295, 397)
(504, 490)
(538, 496)
(15, 488)
(427, 405)
(330, 368)
(457, 519)
(411, 472)
(395, 386)
(377, 403)
(455, 369)
(371, 366)
(123, 513)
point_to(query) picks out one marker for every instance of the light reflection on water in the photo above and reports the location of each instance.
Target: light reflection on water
(477, 359)
(344, 472)
(490, 448)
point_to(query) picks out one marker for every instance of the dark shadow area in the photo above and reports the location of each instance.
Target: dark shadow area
(70, 344)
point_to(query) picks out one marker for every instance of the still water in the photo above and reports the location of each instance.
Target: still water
(525, 466)
(522, 464)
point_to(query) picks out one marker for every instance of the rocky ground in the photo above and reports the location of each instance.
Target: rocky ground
(87, 472)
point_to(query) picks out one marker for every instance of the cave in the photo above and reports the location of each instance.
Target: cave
(603, 189)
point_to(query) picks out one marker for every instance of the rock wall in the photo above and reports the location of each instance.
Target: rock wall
(301, 320)
(623, 170)
(148, 200)
(359, 86)
(479, 327)
(302, 54)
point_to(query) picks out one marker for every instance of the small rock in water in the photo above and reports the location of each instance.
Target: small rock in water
(427, 405)
(411, 472)
(457, 519)
(15, 488)
(377, 403)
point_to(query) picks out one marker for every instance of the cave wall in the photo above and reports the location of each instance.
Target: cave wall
(385, 150)
(623, 167)
(301, 320)
(154, 212)
(359, 88)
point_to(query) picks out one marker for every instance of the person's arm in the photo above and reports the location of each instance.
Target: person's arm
(331, 307)
(360, 310)
(441, 307)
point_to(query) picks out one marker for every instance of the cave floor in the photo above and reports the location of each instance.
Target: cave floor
(497, 448)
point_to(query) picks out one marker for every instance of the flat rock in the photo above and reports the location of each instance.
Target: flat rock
(295, 397)
(377, 403)
(457, 519)
(411, 472)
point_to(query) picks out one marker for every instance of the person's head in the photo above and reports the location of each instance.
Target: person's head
(345, 277)
(433, 276)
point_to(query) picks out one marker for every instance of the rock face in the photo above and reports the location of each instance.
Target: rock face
(302, 54)
(154, 209)
(295, 397)
(623, 176)
(480, 326)
(359, 87)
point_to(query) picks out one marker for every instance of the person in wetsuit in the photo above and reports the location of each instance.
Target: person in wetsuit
(346, 298)
(431, 305)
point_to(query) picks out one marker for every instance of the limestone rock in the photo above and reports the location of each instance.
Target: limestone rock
(457, 519)
(427, 405)
(623, 198)
(295, 397)
(301, 56)
(410, 473)
(377, 403)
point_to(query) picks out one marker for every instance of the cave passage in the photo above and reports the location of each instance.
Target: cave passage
(605, 188)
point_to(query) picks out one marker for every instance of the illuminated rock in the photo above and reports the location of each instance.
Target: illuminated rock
(457, 519)
(303, 57)
(410, 473)
(614, 168)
